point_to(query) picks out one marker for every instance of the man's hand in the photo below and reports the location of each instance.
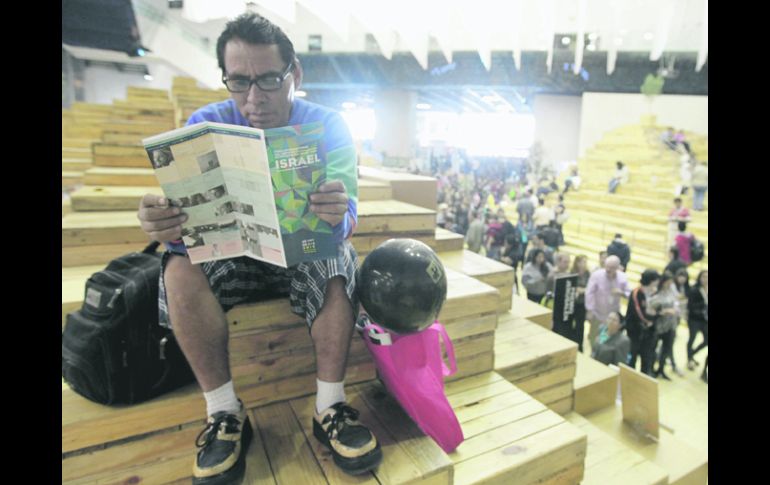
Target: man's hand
(330, 203)
(161, 221)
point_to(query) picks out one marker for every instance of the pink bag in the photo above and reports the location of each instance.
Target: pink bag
(413, 371)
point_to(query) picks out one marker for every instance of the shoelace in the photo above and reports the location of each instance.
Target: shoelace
(338, 419)
(212, 428)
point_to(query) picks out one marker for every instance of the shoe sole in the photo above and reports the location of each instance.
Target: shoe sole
(235, 474)
(351, 466)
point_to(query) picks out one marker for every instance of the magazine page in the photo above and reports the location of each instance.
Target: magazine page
(297, 157)
(219, 175)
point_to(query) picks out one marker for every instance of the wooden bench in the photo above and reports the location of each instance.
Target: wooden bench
(493, 273)
(596, 385)
(413, 189)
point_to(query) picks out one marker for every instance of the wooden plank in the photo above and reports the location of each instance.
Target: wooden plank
(554, 393)
(76, 164)
(569, 476)
(640, 400)
(422, 450)
(158, 458)
(527, 459)
(523, 308)
(523, 357)
(491, 272)
(106, 198)
(372, 190)
(547, 379)
(291, 458)
(521, 407)
(414, 189)
(121, 176)
(595, 385)
(562, 406)
(391, 216)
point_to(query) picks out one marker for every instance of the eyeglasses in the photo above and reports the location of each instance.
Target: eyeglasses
(266, 82)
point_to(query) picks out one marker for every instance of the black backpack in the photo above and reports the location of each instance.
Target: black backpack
(113, 349)
(696, 250)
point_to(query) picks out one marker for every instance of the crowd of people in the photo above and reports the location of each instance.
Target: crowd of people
(477, 203)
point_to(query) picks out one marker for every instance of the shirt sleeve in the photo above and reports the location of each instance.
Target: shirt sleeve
(342, 164)
(591, 294)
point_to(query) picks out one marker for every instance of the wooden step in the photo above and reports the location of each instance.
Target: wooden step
(75, 164)
(119, 197)
(418, 190)
(142, 128)
(510, 437)
(523, 308)
(536, 360)
(609, 461)
(596, 385)
(373, 190)
(448, 241)
(76, 152)
(272, 360)
(684, 464)
(493, 273)
(120, 155)
(121, 176)
(71, 179)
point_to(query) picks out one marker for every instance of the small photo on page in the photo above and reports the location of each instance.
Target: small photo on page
(161, 157)
(208, 161)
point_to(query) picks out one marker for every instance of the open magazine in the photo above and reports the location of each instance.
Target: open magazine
(245, 190)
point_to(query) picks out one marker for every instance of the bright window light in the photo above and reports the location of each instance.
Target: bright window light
(348, 105)
(147, 77)
(648, 36)
(423, 106)
(480, 134)
(361, 123)
(565, 40)
(300, 93)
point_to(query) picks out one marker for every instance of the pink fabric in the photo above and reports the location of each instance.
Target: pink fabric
(413, 372)
(683, 245)
(680, 213)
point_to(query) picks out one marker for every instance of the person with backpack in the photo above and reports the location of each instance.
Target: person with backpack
(684, 241)
(640, 322)
(618, 247)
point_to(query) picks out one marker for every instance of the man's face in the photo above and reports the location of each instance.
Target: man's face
(262, 109)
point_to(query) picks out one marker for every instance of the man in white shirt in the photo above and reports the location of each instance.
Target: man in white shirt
(543, 215)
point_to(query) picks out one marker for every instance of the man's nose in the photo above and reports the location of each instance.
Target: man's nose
(255, 95)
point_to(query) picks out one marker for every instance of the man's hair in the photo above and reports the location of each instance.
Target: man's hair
(682, 226)
(618, 235)
(649, 276)
(254, 29)
(678, 199)
(603, 252)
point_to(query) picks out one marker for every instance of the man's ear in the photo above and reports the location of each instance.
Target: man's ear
(297, 73)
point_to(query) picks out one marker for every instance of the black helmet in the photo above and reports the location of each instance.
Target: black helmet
(402, 285)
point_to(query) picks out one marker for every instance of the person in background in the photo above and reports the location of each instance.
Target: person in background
(667, 138)
(705, 374)
(534, 275)
(511, 254)
(573, 181)
(683, 240)
(675, 216)
(618, 247)
(580, 268)
(603, 292)
(665, 302)
(612, 345)
(525, 206)
(560, 269)
(674, 262)
(526, 228)
(698, 317)
(441, 215)
(475, 235)
(680, 139)
(700, 184)
(640, 322)
(619, 178)
(536, 242)
(543, 215)
(561, 217)
(602, 260)
(493, 241)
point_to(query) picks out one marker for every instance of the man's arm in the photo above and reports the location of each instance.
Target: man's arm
(590, 301)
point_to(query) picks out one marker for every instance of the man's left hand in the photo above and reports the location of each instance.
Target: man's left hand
(330, 203)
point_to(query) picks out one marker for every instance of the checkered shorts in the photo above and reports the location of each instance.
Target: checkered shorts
(240, 281)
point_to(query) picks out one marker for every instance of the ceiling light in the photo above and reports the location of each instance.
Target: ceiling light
(565, 41)
(423, 106)
(591, 47)
(147, 77)
(300, 93)
(648, 36)
(489, 98)
(618, 41)
(348, 105)
(593, 35)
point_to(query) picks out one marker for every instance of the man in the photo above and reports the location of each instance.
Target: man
(560, 269)
(619, 248)
(603, 292)
(640, 322)
(700, 184)
(611, 346)
(602, 259)
(525, 205)
(543, 215)
(676, 215)
(261, 71)
(475, 235)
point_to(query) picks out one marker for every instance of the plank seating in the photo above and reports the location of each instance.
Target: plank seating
(596, 385)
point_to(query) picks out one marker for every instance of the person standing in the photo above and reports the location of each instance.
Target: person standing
(525, 206)
(666, 303)
(543, 215)
(700, 184)
(475, 235)
(675, 216)
(603, 292)
(580, 268)
(683, 240)
(534, 275)
(602, 260)
(698, 317)
(618, 247)
(640, 322)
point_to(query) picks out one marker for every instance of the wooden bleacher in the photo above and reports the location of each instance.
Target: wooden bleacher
(515, 379)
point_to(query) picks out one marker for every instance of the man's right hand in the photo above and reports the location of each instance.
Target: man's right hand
(161, 221)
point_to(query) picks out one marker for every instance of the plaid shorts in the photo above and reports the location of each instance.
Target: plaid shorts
(240, 281)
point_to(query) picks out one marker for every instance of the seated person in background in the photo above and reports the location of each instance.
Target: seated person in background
(611, 345)
(667, 138)
(573, 181)
(620, 177)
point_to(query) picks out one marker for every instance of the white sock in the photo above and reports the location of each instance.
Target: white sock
(222, 398)
(328, 394)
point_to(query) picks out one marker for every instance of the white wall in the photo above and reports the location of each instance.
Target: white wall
(557, 126)
(103, 85)
(602, 112)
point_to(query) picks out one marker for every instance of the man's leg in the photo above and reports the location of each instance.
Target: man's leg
(332, 331)
(198, 322)
(200, 327)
